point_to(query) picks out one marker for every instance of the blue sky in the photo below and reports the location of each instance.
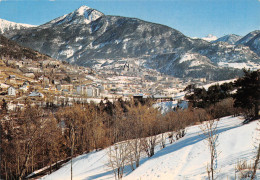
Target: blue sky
(194, 18)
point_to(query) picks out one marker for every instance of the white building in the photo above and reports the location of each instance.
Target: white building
(36, 94)
(11, 91)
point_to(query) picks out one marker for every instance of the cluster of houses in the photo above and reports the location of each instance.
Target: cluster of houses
(51, 79)
(11, 91)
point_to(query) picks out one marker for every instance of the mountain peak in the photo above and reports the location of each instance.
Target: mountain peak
(83, 14)
(210, 37)
(83, 9)
(89, 13)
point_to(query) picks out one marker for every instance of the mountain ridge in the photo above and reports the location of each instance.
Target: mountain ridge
(116, 37)
(9, 26)
(230, 38)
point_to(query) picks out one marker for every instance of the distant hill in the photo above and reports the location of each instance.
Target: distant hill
(230, 39)
(248, 37)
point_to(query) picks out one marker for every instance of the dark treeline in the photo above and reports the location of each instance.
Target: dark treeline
(243, 95)
(202, 98)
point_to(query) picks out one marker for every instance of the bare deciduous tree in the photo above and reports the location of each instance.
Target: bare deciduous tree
(135, 151)
(209, 130)
(149, 144)
(118, 156)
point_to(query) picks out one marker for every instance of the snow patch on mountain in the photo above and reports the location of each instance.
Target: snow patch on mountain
(68, 52)
(194, 60)
(187, 57)
(237, 65)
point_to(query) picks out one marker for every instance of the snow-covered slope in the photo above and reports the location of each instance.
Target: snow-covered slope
(187, 158)
(6, 26)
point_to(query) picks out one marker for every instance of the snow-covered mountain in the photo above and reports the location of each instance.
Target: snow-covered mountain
(186, 158)
(210, 38)
(74, 38)
(88, 37)
(8, 26)
(230, 38)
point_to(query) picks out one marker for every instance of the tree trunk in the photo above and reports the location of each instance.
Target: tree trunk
(6, 173)
(256, 163)
(212, 163)
(72, 149)
(24, 167)
(32, 160)
(71, 167)
(256, 110)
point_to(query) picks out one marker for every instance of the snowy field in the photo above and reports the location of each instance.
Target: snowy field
(186, 158)
(217, 82)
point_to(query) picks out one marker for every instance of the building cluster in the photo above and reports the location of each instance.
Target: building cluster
(59, 82)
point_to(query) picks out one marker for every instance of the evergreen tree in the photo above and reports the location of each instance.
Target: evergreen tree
(4, 106)
(248, 91)
(215, 94)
